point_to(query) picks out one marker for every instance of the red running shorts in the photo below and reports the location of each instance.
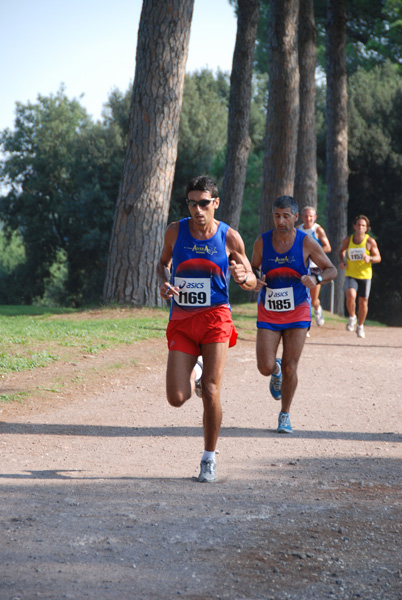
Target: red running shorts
(209, 327)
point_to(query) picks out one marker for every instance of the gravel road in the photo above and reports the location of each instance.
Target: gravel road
(99, 498)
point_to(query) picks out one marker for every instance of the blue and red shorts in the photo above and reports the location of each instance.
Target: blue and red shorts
(208, 327)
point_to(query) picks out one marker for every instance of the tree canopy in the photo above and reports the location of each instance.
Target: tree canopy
(61, 172)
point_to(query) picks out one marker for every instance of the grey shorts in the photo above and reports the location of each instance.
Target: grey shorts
(362, 286)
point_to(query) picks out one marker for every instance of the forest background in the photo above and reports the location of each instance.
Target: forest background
(61, 170)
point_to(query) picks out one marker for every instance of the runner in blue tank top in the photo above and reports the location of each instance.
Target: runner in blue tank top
(198, 257)
(281, 262)
(200, 271)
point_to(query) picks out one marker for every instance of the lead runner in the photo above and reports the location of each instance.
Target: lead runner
(198, 256)
(281, 262)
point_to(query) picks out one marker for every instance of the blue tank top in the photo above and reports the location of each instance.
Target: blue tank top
(200, 271)
(285, 299)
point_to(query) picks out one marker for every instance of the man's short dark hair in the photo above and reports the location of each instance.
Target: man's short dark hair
(286, 202)
(202, 183)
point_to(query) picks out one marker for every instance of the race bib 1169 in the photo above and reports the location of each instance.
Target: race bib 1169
(279, 300)
(194, 292)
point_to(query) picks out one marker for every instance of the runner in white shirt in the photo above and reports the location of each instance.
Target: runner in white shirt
(309, 226)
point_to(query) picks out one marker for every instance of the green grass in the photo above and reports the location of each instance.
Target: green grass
(20, 362)
(19, 397)
(33, 337)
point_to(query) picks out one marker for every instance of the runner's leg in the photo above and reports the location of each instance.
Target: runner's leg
(363, 309)
(314, 293)
(351, 294)
(293, 342)
(267, 347)
(214, 357)
(179, 377)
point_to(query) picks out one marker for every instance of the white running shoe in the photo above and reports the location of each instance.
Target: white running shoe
(360, 331)
(198, 387)
(351, 323)
(208, 471)
(319, 319)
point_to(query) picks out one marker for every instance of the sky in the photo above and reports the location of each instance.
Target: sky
(89, 46)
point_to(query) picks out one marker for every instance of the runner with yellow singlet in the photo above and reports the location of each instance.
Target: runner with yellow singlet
(358, 252)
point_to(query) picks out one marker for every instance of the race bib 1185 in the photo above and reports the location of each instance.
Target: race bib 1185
(279, 300)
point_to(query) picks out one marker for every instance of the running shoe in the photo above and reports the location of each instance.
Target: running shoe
(360, 331)
(275, 385)
(198, 387)
(319, 319)
(208, 471)
(284, 425)
(351, 323)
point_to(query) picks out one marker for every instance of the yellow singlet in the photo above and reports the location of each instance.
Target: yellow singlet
(355, 265)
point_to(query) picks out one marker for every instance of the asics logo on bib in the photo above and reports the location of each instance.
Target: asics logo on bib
(274, 294)
(191, 285)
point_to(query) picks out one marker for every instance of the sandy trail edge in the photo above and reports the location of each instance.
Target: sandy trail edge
(98, 498)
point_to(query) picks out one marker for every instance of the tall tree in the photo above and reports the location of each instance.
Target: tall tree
(283, 106)
(202, 133)
(337, 138)
(238, 138)
(148, 170)
(305, 190)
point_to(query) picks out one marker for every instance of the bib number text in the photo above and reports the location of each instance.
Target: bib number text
(193, 292)
(279, 300)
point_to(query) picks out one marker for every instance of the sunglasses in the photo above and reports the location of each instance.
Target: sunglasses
(200, 203)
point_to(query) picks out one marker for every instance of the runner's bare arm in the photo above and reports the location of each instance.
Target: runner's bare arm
(342, 253)
(165, 262)
(375, 256)
(322, 236)
(256, 261)
(240, 266)
(312, 249)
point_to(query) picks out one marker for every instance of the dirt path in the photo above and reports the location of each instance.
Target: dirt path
(98, 498)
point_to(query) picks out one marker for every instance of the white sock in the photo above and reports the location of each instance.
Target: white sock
(208, 455)
(198, 371)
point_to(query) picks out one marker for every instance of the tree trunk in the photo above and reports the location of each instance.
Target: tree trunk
(337, 139)
(283, 106)
(148, 170)
(305, 190)
(239, 142)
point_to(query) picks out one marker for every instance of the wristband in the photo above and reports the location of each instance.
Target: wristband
(243, 282)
